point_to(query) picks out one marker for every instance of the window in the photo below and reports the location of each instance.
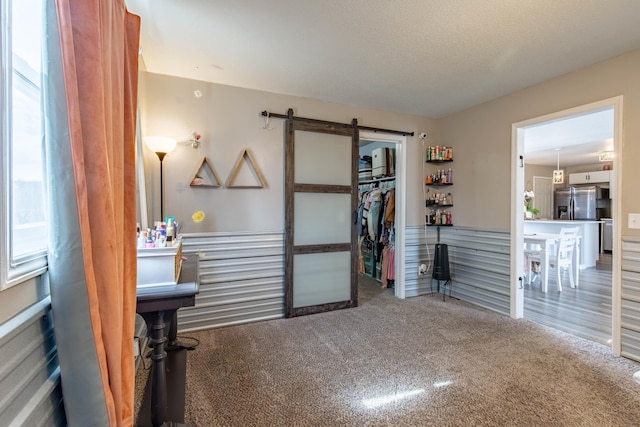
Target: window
(24, 229)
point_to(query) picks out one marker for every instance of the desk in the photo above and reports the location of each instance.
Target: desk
(546, 241)
(158, 305)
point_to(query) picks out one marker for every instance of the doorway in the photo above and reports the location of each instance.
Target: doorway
(560, 304)
(381, 243)
(376, 216)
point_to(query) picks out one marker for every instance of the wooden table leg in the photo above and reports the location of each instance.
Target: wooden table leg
(158, 374)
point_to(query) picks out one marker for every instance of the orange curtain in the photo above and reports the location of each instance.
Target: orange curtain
(99, 60)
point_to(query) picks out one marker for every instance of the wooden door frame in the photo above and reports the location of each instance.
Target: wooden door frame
(310, 125)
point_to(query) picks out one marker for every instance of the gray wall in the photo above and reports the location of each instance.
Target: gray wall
(630, 298)
(482, 138)
(241, 279)
(478, 264)
(229, 120)
(30, 389)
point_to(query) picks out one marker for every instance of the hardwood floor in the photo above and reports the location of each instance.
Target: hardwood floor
(584, 311)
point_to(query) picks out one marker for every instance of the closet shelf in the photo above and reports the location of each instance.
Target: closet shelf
(371, 181)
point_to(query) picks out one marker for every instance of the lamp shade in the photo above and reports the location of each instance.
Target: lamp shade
(160, 144)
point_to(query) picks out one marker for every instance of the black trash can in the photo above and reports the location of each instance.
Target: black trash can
(441, 263)
(441, 269)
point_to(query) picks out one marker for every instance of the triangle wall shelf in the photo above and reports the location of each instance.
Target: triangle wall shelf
(245, 158)
(205, 176)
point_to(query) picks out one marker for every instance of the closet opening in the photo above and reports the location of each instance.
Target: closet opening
(377, 218)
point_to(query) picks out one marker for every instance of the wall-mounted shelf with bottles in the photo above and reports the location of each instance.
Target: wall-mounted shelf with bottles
(439, 200)
(436, 203)
(439, 154)
(439, 218)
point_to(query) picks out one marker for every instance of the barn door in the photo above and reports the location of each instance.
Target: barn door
(320, 212)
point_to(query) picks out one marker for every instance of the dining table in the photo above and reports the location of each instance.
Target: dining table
(546, 243)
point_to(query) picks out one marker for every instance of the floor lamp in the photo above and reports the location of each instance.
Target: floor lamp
(161, 146)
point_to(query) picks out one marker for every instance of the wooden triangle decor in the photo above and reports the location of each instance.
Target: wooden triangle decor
(245, 157)
(205, 176)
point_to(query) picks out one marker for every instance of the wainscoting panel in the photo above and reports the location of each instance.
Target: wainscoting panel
(241, 279)
(30, 388)
(242, 274)
(419, 247)
(630, 322)
(478, 261)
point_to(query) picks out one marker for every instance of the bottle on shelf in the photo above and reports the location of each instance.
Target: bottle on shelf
(170, 230)
(439, 154)
(149, 243)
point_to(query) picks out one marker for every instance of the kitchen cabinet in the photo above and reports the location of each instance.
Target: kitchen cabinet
(594, 177)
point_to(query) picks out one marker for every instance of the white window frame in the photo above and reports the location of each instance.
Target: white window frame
(14, 270)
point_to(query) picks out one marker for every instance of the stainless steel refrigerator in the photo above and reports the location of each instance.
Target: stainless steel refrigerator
(578, 203)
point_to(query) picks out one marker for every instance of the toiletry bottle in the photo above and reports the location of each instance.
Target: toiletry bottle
(170, 230)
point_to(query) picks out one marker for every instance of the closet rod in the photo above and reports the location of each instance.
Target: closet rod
(284, 116)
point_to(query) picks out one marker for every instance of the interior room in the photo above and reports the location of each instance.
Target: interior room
(184, 194)
(376, 196)
(581, 146)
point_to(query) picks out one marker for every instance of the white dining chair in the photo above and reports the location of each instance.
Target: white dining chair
(531, 263)
(562, 258)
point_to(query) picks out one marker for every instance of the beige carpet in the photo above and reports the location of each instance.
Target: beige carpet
(413, 362)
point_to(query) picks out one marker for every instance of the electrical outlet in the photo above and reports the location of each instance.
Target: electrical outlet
(422, 269)
(634, 220)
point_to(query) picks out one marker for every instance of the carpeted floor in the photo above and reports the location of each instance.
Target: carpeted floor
(413, 362)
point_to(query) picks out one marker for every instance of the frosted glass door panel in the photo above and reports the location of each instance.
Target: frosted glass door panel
(322, 218)
(322, 158)
(321, 278)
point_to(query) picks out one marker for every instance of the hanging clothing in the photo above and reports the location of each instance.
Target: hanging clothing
(390, 212)
(373, 218)
(361, 220)
(391, 264)
(375, 223)
(360, 255)
(385, 266)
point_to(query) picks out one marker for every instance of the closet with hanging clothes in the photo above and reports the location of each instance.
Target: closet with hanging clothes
(376, 213)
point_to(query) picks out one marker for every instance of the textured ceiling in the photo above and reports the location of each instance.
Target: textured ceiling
(426, 57)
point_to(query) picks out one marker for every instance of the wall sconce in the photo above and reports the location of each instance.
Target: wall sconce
(195, 140)
(606, 156)
(161, 146)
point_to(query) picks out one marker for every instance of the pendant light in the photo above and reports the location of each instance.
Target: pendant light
(558, 174)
